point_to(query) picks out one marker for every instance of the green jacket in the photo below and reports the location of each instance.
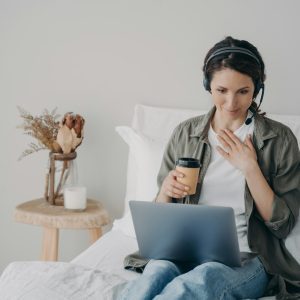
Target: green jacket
(279, 159)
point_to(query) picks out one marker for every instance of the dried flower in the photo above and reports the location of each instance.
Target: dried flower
(70, 133)
(62, 137)
(43, 128)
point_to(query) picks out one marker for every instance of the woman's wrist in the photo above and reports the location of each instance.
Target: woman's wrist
(161, 197)
(251, 169)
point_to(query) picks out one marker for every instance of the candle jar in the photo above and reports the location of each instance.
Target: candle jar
(75, 198)
(62, 173)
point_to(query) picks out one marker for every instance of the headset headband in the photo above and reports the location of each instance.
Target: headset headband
(231, 50)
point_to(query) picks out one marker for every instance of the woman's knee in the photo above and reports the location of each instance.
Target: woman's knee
(212, 279)
(212, 272)
(203, 282)
(162, 267)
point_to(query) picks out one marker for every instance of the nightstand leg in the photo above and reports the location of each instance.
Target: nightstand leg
(50, 244)
(95, 233)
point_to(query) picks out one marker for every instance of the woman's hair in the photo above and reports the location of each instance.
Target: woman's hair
(239, 62)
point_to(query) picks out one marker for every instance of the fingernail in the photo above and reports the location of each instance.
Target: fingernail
(186, 188)
(185, 194)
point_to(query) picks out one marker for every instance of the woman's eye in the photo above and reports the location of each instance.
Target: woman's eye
(221, 91)
(244, 92)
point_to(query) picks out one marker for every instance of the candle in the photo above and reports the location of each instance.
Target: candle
(75, 197)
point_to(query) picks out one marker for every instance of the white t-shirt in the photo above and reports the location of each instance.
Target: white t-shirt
(224, 185)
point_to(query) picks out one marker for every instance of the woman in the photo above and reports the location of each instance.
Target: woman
(250, 163)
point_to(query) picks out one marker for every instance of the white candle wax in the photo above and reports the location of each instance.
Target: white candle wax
(75, 197)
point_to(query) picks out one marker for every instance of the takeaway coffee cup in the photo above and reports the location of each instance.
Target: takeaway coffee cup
(190, 167)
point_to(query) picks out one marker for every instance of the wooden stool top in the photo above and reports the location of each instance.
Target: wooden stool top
(40, 212)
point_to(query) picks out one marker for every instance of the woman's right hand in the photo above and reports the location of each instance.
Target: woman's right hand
(171, 188)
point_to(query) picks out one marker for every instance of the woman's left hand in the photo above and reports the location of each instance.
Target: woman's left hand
(241, 155)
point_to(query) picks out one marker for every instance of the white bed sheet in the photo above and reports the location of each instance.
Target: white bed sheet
(107, 254)
(38, 280)
(95, 274)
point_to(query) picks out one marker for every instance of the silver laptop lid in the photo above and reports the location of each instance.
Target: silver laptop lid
(186, 233)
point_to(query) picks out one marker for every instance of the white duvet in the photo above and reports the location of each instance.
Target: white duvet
(57, 281)
(97, 273)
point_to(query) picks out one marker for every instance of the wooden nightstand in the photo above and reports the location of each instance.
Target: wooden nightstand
(52, 218)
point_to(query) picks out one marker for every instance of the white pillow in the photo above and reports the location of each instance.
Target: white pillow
(159, 122)
(146, 153)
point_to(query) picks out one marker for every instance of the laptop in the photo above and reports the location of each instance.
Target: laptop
(186, 233)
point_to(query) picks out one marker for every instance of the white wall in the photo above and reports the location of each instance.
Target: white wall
(100, 58)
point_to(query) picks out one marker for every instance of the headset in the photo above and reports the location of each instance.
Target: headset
(259, 85)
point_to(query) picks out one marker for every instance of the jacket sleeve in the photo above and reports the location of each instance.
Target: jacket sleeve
(169, 158)
(286, 187)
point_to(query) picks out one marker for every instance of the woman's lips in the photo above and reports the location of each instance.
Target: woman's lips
(232, 111)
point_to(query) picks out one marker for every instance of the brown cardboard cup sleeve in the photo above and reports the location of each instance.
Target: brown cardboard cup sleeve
(190, 167)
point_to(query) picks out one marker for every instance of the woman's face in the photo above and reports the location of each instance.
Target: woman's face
(232, 93)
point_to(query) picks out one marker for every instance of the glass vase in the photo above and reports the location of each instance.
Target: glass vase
(62, 173)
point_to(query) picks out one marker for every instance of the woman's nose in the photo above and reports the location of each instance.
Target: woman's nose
(231, 100)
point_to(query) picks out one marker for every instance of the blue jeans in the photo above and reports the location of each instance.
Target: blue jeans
(163, 280)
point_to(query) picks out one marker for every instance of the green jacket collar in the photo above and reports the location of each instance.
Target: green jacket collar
(262, 130)
(201, 130)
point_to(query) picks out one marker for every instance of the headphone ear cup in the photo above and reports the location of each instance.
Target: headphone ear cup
(206, 84)
(258, 86)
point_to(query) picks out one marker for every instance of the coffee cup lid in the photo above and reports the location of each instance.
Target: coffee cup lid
(188, 162)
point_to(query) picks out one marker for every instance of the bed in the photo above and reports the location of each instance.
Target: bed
(98, 273)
